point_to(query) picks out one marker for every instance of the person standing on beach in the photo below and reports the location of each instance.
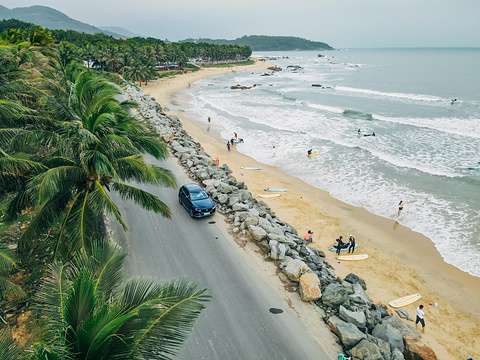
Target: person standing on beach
(400, 207)
(420, 315)
(229, 146)
(274, 151)
(351, 244)
(209, 119)
(339, 245)
(235, 135)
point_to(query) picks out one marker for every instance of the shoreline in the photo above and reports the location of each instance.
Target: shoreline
(401, 261)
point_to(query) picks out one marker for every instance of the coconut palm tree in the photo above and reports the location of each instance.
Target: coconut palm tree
(9, 349)
(89, 314)
(94, 148)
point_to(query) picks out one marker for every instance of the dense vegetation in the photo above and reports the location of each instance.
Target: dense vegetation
(67, 142)
(268, 43)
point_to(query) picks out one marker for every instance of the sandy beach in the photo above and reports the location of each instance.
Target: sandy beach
(400, 262)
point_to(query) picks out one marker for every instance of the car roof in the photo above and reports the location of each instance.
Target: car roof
(193, 187)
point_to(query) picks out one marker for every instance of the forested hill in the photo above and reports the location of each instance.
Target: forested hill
(268, 43)
(51, 19)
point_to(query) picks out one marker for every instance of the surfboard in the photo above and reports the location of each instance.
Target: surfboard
(335, 249)
(270, 196)
(314, 154)
(352, 257)
(404, 301)
(275, 190)
(249, 168)
(474, 168)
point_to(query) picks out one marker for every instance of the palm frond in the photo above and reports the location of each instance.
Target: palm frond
(9, 349)
(34, 139)
(135, 168)
(143, 198)
(8, 259)
(7, 286)
(105, 260)
(96, 161)
(100, 201)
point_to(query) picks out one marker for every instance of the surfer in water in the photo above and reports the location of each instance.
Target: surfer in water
(309, 152)
(453, 101)
(372, 134)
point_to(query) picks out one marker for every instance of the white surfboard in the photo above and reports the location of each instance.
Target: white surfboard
(270, 196)
(404, 301)
(353, 257)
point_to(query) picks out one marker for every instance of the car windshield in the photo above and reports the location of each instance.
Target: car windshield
(198, 195)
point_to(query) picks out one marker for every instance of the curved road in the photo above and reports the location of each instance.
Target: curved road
(236, 323)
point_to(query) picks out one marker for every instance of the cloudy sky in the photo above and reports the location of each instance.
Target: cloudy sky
(340, 23)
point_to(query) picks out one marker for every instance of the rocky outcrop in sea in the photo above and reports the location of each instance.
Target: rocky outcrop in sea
(364, 329)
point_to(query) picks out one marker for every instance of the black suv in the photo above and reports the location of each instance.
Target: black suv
(196, 200)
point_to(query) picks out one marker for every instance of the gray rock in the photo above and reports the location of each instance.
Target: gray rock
(404, 315)
(277, 250)
(276, 230)
(397, 355)
(233, 200)
(405, 330)
(257, 233)
(389, 334)
(222, 198)
(334, 295)
(359, 296)
(354, 317)
(382, 346)
(250, 221)
(224, 188)
(354, 279)
(244, 195)
(365, 350)
(374, 317)
(276, 237)
(240, 207)
(349, 334)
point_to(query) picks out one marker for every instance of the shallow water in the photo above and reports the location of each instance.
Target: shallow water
(423, 146)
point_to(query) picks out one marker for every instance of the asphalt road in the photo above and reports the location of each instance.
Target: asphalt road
(237, 323)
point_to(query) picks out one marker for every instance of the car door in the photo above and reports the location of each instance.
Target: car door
(186, 198)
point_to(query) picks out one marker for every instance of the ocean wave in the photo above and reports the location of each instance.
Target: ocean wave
(357, 114)
(415, 97)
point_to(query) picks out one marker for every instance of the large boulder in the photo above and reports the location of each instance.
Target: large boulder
(381, 345)
(365, 350)
(244, 195)
(359, 296)
(355, 279)
(405, 329)
(397, 355)
(295, 268)
(349, 334)
(373, 316)
(354, 317)
(251, 221)
(309, 287)
(257, 233)
(415, 350)
(277, 250)
(389, 334)
(334, 295)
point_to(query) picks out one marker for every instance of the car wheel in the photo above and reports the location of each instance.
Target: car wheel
(180, 200)
(191, 212)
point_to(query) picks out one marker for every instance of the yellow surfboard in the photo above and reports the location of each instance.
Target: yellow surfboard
(353, 257)
(314, 154)
(404, 301)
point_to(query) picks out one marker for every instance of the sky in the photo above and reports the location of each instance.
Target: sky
(340, 23)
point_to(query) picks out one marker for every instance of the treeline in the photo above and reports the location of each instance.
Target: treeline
(135, 58)
(67, 143)
(269, 43)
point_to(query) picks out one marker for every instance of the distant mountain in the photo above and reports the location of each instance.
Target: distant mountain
(268, 43)
(119, 30)
(51, 19)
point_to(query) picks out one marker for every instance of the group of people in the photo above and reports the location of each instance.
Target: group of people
(350, 245)
(232, 141)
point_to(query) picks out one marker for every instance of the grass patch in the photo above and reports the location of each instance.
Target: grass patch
(222, 65)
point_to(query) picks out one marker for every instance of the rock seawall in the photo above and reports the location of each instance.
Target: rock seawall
(365, 330)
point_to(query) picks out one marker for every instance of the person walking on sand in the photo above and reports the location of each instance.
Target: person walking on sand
(400, 207)
(308, 238)
(351, 244)
(209, 119)
(229, 146)
(420, 315)
(274, 151)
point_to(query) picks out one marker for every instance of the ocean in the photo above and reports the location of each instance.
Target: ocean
(424, 143)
